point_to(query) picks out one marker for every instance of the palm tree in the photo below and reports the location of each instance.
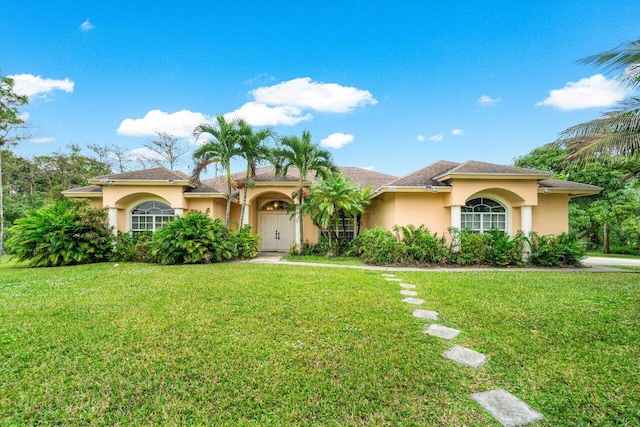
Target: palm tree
(333, 200)
(221, 148)
(308, 158)
(616, 132)
(252, 148)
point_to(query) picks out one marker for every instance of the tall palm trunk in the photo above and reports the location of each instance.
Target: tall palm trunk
(228, 211)
(299, 209)
(245, 190)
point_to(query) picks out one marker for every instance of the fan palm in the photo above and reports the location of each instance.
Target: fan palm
(221, 148)
(308, 158)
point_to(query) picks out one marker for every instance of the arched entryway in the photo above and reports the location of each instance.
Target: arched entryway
(276, 226)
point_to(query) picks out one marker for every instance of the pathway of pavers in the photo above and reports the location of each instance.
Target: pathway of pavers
(506, 408)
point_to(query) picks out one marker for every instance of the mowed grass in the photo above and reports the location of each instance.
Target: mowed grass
(250, 344)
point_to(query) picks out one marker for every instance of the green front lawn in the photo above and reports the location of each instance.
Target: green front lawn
(254, 344)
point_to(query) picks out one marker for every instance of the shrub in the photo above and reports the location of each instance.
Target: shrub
(132, 247)
(246, 244)
(491, 248)
(64, 233)
(420, 246)
(378, 246)
(561, 250)
(192, 239)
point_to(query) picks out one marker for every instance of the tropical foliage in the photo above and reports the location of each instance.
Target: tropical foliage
(198, 239)
(63, 233)
(617, 132)
(608, 221)
(220, 148)
(307, 158)
(251, 147)
(333, 201)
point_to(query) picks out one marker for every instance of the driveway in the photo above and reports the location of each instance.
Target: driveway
(605, 261)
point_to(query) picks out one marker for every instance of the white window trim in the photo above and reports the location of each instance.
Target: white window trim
(137, 203)
(505, 204)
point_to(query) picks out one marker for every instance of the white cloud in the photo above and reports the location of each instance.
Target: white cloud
(457, 132)
(487, 101)
(30, 85)
(589, 92)
(86, 25)
(145, 153)
(258, 114)
(420, 138)
(369, 168)
(24, 116)
(179, 124)
(337, 140)
(437, 138)
(42, 140)
(304, 93)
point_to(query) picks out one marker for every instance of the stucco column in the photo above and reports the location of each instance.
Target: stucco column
(113, 220)
(456, 222)
(526, 221)
(179, 211)
(245, 218)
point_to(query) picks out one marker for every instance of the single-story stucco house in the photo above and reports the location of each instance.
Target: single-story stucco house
(477, 195)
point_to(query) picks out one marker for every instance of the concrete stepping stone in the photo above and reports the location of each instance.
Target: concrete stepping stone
(388, 275)
(407, 286)
(414, 301)
(442, 332)
(466, 356)
(408, 293)
(506, 408)
(391, 279)
(425, 314)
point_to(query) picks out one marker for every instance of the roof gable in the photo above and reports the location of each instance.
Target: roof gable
(425, 176)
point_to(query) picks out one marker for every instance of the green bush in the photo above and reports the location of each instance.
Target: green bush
(64, 233)
(378, 246)
(132, 247)
(246, 244)
(192, 239)
(557, 251)
(494, 248)
(420, 246)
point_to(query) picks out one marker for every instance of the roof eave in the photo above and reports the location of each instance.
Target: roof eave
(143, 182)
(449, 176)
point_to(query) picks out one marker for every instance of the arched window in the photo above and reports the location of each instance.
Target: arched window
(483, 214)
(150, 216)
(275, 205)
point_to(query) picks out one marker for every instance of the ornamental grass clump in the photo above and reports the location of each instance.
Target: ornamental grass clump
(64, 233)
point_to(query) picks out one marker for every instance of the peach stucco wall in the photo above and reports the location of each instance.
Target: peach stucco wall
(422, 208)
(517, 192)
(551, 216)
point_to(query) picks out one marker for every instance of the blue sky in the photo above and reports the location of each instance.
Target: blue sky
(382, 86)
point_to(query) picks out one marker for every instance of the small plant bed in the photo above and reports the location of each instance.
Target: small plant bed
(249, 344)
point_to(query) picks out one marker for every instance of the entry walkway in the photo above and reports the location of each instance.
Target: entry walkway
(591, 264)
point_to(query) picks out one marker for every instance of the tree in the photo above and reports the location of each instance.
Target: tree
(10, 120)
(606, 219)
(251, 145)
(221, 148)
(168, 147)
(333, 200)
(308, 158)
(616, 132)
(114, 156)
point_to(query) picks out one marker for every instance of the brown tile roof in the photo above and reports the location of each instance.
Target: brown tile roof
(425, 176)
(155, 174)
